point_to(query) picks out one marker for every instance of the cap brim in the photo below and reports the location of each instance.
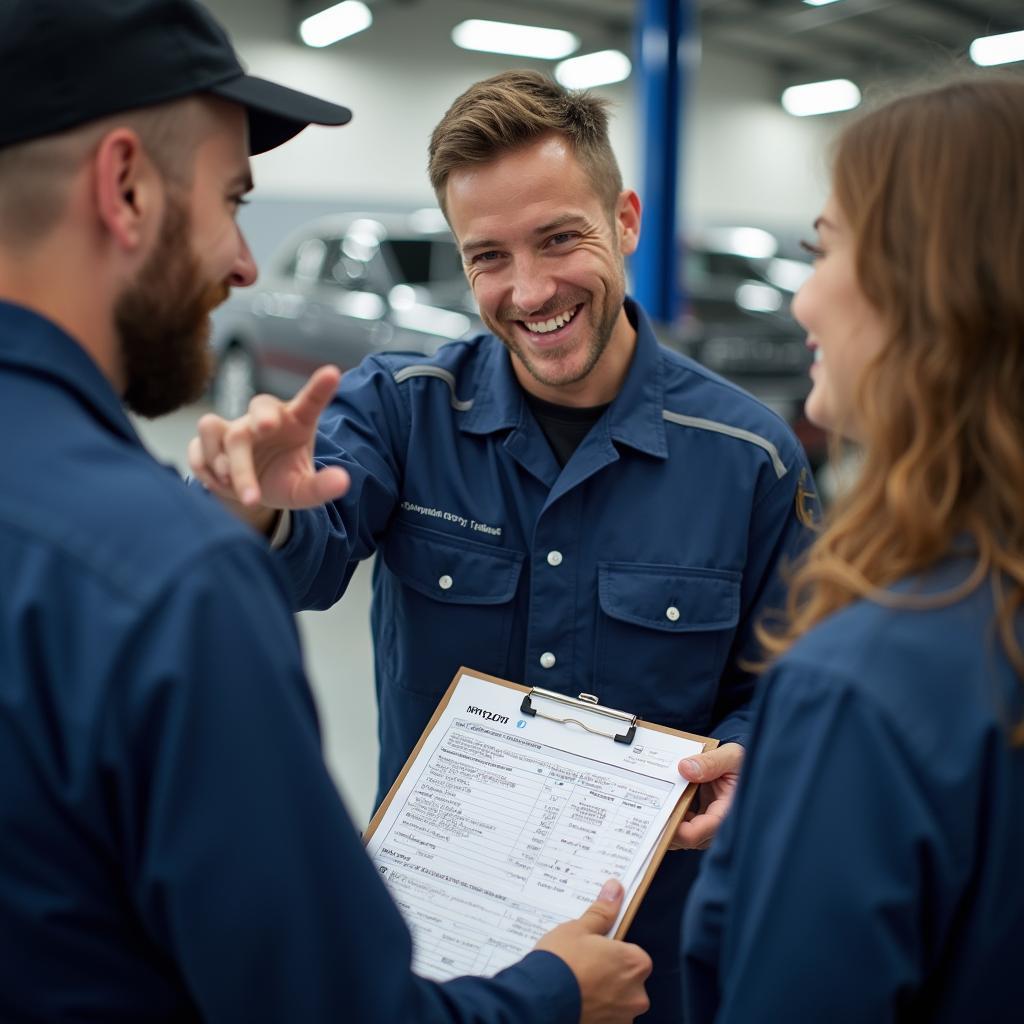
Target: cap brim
(277, 113)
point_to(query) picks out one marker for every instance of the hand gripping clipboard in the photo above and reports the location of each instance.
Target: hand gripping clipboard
(632, 739)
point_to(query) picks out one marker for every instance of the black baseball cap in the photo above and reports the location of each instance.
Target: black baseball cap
(66, 62)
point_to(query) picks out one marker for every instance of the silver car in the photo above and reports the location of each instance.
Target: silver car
(337, 290)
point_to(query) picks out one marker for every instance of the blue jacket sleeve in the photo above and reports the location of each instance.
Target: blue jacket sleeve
(828, 854)
(243, 867)
(779, 535)
(365, 430)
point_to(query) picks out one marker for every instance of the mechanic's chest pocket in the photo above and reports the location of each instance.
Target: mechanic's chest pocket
(450, 602)
(663, 635)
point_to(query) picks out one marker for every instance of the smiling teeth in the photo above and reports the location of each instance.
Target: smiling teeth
(546, 326)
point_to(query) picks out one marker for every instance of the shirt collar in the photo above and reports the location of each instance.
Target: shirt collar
(31, 343)
(634, 418)
(498, 402)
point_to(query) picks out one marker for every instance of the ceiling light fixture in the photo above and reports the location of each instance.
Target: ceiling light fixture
(601, 68)
(515, 40)
(1001, 49)
(821, 97)
(819, 3)
(335, 23)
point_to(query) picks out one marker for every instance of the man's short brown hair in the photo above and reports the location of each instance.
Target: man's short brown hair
(516, 108)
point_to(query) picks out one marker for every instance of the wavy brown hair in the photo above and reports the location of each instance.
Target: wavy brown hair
(932, 185)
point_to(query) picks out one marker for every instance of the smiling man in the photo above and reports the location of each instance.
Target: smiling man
(636, 507)
(543, 252)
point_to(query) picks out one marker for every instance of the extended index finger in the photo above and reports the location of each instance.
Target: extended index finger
(312, 398)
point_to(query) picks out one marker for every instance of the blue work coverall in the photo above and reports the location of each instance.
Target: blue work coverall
(171, 846)
(636, 572)
(870, 869)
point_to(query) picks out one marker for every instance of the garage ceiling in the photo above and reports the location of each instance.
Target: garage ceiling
(859, 39)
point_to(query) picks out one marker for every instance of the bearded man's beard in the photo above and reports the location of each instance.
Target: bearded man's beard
(163, 323)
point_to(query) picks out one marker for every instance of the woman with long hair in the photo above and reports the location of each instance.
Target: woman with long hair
(872, 867)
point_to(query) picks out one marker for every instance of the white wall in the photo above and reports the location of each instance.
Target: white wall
(744, 158)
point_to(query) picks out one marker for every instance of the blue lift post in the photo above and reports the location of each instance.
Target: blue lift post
(662, 44)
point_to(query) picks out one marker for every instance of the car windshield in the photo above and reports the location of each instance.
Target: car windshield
(421, 261)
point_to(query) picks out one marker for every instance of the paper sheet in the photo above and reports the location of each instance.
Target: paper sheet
(506, 825)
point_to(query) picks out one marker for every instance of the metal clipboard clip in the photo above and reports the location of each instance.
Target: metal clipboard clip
(585, 702)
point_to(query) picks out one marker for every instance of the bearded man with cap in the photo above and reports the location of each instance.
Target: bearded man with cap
(173, 848)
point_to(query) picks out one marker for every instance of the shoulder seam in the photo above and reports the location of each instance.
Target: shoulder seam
(423, 370)
(729, 431)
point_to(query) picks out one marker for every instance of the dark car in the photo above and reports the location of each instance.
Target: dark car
(737, 322)
(337, 290)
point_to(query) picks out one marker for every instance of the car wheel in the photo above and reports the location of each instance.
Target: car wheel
(234, 383)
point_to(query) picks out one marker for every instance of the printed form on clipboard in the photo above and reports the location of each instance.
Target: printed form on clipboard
(514, 808)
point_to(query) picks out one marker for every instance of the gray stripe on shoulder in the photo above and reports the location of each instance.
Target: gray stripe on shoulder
(738, 432)
(435, 371)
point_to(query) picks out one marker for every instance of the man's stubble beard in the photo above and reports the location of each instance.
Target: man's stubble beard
(600, 337)
(163, 322)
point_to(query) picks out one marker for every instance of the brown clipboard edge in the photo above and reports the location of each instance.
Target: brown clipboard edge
(707, 742)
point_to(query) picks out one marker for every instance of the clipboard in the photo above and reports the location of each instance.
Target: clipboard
(582, 714)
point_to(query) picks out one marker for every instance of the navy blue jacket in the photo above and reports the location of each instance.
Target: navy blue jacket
(871, 869)
(171, 845)
(636, 572)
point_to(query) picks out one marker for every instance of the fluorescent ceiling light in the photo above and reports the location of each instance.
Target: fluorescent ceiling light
(1001, 49)
(337, 22)
(819, 3)
(821, 97)
(517, 40)
(601, 68)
